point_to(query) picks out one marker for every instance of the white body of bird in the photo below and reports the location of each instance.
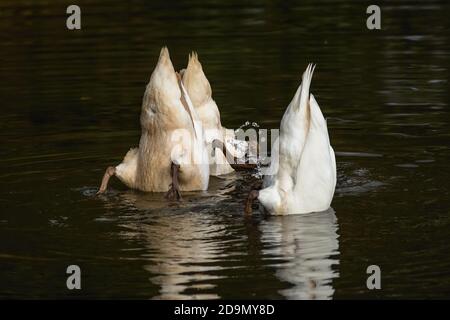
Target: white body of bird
(306, 176)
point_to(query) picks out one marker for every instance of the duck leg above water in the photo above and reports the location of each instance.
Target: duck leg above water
(110, 171)
(231, 160)
(174, 190)
(249, 202)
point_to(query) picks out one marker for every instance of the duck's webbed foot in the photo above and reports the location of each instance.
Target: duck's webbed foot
(174, 190)
(249, 202)
(110, 171)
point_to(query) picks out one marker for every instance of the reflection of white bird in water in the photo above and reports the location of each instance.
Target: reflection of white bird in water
(310, 245)
(306, 176)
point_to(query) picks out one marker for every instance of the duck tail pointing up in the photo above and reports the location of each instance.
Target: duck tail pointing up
(193, 62)
(195, 81)
(306, 83)
(164, 54)
(164, 65)
(162, 84)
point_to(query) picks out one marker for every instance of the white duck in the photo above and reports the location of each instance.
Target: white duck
(306, 176)
(200, 92)
(172, 154)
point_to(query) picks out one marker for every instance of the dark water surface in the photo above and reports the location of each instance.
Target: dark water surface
(70, 106)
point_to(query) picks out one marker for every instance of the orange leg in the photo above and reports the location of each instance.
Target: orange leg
(110, 171)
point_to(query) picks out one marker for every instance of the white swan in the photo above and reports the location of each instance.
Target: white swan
(306, 176)
(172, 154)
(200, 92)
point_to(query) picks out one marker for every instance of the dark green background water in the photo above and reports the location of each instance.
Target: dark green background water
(70, 104)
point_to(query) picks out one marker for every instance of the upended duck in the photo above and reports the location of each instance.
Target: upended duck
(305, 178)
(172, 155)
(217, 136)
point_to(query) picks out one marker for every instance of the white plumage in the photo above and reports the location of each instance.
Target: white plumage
(306, 176)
